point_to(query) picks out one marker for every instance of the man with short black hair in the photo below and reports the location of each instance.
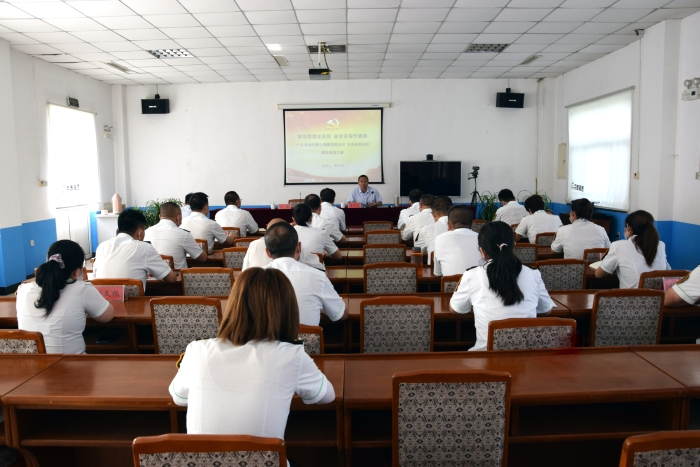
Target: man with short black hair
(457, 249)
(127, 256)
(313, 289)
(170, 240)
(364, 194)
(539, 221)
(511, 212)
(186, 211)
(414, 197)
(329, 211)
(331, 227)
(256, 256)
(428, 234)
(420, 220)
(233, 216)
(201, 227)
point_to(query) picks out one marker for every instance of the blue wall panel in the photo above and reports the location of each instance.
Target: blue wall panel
(44, 234)
(11, 256)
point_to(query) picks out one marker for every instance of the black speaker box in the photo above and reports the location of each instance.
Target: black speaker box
(155, 106)
(510, 99)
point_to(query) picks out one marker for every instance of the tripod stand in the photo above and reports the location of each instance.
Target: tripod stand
(475, 194)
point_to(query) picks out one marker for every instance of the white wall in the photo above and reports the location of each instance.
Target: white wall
(11, 213)
(221, 137)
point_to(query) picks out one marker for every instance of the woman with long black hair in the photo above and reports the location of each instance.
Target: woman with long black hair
(502, 288)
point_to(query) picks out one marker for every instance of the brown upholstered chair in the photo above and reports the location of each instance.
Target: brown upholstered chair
(17, 341)
(396, 325)
(477, 224)
(563, 274)
(526, 253)
(531, 333)
(626, 317)
(177, 321)
(545, 238)
(384, 253)
(207, 282)
(369, 226)
(655, 279)
(233, 257)
(169, 259)
(312, 336)
(294, 202)
(236, 231)
(244, 242)
(133, 287)
(390, 278)
(448, 284)
(593, 255)
(664, 448)
(383, 236)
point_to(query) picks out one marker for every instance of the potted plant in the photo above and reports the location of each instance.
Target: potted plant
(545, 197)
(152, 209)
(487, 206)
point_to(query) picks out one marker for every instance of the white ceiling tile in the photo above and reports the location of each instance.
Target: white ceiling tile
(569, 48)
(454, 38)
(231, 18)
(249, 59)
(172, 21)
(622, 39)
(538, 38)
(554, 27)
(95, 57)
(365, 56)
(209, 53)
(573, 14)
(277, 29)
(207, 72)
(630, 29)
(496, 38)
(403, 55)
(59, 59)
(516, 56)
(76, 24)
(229, 68)
(54, 37)
(78, 65)
(161, 71)
(425, 75)
(212, 79)
(393, 75)
(124, 22)
(445, 48)
(535, 3)
(232, 31)
(155, 7)
(186, 68)
(373, 3)
(477, 57)
(248, 51)
(17, 38)
(27, 25)
(243, 41)
(509, 27)
(209, 6)
(621, 15)
(473, 14)
(584, 56)
(368, 38)
(370, 28)
(250, 5)
(321, 16)
(296, 50)
(602, 48)
(135, 55)
(219, 60)
(328, 28)
(684, 4)
(434, 63)
(455, 75)
(410, 38)
(186, 33)
(373, 48)
(670, 13)
(150, 62)
(505, 63)
(318, 4)
(427, 3)
(264, 69)
(369, 15)
(523, 14)
(587, 3)
(327, 38)
(248, 77)
(201, 43)
(157, 44)
(580, 38)
(573, 62)
(366, 63)
(599, 28)
(95, 8)
(480, 3)
(422, 14)
(8, 11)
(4, 30)
(485, 75)
(78, 48)
(532, 48)
(553, 55)
(416, 28)
(469, 27)
(271, 17)
(45, 10)
(640, 3)
(142, 34)
(98, 36)
(283, 40)
(440, 55)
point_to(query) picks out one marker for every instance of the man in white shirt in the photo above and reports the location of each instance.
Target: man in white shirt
(686, 291)
(538, 221)
(127, 256)
(423, 218)
(233, 216)
(329, 211)
(414, 197)
(168, 239)
(186, 211)
(581, 234)
(201, 227)
(364, 194)
(511, 212)
(313, 289)
(257, 257)
(329, 225)
(428, 233)
(457, 249)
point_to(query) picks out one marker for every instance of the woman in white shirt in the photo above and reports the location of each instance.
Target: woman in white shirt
(641, 252)
(581, 234)
(242, 382)
(500, 289)
(55, 305)
(313, 239)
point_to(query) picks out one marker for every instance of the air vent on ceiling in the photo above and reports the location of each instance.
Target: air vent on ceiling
(170, 53)
(479, 48)
(329, 49)
(119, 67)
(281, 60)
(530, 59)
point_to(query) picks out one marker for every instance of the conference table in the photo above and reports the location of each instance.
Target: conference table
(353, 216)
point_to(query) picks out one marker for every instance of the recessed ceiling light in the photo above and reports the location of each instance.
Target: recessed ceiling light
(530, 59)
(170, 53)
(329, 49)
(274, 46)
(479, 48)
(119, 67)
(281, 60)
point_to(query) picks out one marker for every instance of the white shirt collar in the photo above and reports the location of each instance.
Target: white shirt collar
(580, 220)
(443, 219)
(166, 223)
(196, 214)
(232, 207)
(285, 259)
(326, 203)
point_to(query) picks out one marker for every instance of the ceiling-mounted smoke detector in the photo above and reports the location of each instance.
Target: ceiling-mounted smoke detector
(482, 48)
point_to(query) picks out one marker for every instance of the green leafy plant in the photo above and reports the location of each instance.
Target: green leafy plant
(524, 194)
(487, 206)
(152, 209)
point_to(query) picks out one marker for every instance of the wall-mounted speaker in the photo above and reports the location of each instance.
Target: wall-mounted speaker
(513, 100)
(155, 106)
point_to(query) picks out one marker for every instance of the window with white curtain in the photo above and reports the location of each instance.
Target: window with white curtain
(72, 157)
(600, 141)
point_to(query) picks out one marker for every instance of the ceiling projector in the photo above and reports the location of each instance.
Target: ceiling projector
(319, 73)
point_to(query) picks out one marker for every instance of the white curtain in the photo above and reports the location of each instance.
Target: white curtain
(600, 134)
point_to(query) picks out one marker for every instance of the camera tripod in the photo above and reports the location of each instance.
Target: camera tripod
(475, 194)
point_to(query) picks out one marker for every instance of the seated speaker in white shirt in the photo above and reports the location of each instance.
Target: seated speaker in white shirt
(641, 252)
(313, 289)
(686, 291)
(428, 233)
(233, 216)
(256, 255)
(168, 239)
(201, 227)
(511, 212)
(331, 226)
(457, 249)
(364, 194)
(127, 256)
(539, 221)
(418, 221)
(314, 239)
(186, 210)
(500, 289)
(581, 234)
(57, 303)
(414, 197)
(329, 211)
(242, 382)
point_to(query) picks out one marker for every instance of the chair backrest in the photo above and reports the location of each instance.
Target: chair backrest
(384, 253)
(203, 244)
(177, 321)
(386, 278)
(236, 231)
(320, 257)
(593, 255)
(208, 450)
(368, 226)
(449, 418)
(526, 252)
(244, 242)
(294, 202)
(563, 274)
(655, 279)
(170, 260)
(207, 282)
(17, 341)
(383, 236)
(396, 325)
(545, 238)
(233, 257)
(312, 337)
(477, 224)
(664, 448)
(626, 317)
(133, 287)
(448, 284)
(531, 333)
